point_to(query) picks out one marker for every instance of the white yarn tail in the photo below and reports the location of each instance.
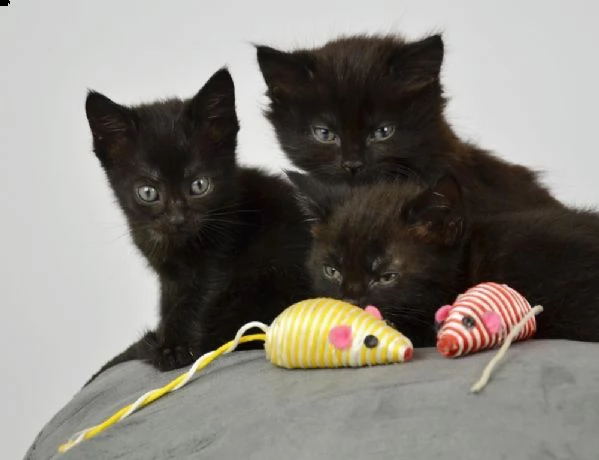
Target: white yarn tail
(79, 437)
(486, 375)
(201, 359)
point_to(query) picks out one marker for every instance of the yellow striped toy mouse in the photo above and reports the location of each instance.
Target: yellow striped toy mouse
(314, 333)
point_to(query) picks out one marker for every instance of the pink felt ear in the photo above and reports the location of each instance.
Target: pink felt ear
(341, 337)
(443, 313)
(373, 311)
(492, 322)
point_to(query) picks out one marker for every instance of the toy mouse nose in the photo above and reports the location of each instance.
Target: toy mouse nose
(447, 346)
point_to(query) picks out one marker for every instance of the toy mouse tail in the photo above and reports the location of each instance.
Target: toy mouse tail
(486, 375)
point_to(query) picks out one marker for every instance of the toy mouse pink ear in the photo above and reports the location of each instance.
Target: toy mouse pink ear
(373, 311)
(442, 313)
(341, 337)
(492, 322)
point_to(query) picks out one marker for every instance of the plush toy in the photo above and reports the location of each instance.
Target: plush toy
(315, 333)
(485, 316)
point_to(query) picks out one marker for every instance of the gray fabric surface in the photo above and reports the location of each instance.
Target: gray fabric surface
(542, 404)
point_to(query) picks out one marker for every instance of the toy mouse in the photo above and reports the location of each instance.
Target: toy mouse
(481, 318)
(330, 333)
(485, 316)
(315, 333)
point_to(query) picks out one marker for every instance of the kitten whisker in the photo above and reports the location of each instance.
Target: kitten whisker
(225, 221)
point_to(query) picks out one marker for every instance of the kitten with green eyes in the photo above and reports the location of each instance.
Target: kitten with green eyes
(364, 108)
(228, 243)
(372, 246)
(410, 249)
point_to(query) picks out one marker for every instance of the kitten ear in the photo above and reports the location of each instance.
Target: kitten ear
(317, 200)
(215, 100)
(214, 107)
(437, 215)
(111, 124)
(284, 73)
(418, 64)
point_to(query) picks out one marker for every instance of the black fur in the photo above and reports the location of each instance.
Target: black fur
(233, 254)
(438, 249)
(354, 85)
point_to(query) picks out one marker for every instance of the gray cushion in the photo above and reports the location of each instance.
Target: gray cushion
(542, 403)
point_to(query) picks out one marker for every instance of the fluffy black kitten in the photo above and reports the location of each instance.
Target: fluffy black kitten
(410, 250)
(227, 243)
(363, 108)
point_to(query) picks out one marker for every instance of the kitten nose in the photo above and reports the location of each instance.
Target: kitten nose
(352, 166)
(353, 293)
(176, 219)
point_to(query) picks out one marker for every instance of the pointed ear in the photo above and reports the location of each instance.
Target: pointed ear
(284, 73)
(438, 214)
(111, 124)
(214, 107)
(417, 65)
(317, 199)
(215, 100)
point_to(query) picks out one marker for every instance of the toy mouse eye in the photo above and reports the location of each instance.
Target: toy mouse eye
(370, 341)
(468, 322)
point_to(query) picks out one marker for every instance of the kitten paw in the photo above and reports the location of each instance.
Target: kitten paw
(169, 358)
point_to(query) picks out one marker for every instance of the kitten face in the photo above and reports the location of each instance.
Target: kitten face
(358, 108)
(394, 246)
(169, 163)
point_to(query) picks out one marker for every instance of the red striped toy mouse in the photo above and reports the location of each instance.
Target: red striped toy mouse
(486, 316)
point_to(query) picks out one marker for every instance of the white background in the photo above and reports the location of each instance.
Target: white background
(522, 76)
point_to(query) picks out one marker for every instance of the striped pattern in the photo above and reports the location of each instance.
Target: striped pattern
(299, 337)
(454, 339)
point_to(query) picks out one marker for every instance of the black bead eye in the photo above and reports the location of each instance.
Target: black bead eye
(468, 322)
(370, 341)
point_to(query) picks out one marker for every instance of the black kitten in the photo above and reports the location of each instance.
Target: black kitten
(410, 250)
(228, 243)
(363, 108)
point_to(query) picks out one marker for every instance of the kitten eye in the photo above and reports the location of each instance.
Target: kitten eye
(382, 133)
(147, 194)
(387, 278)
(201, 186)
(324, 134)
(332, 273)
